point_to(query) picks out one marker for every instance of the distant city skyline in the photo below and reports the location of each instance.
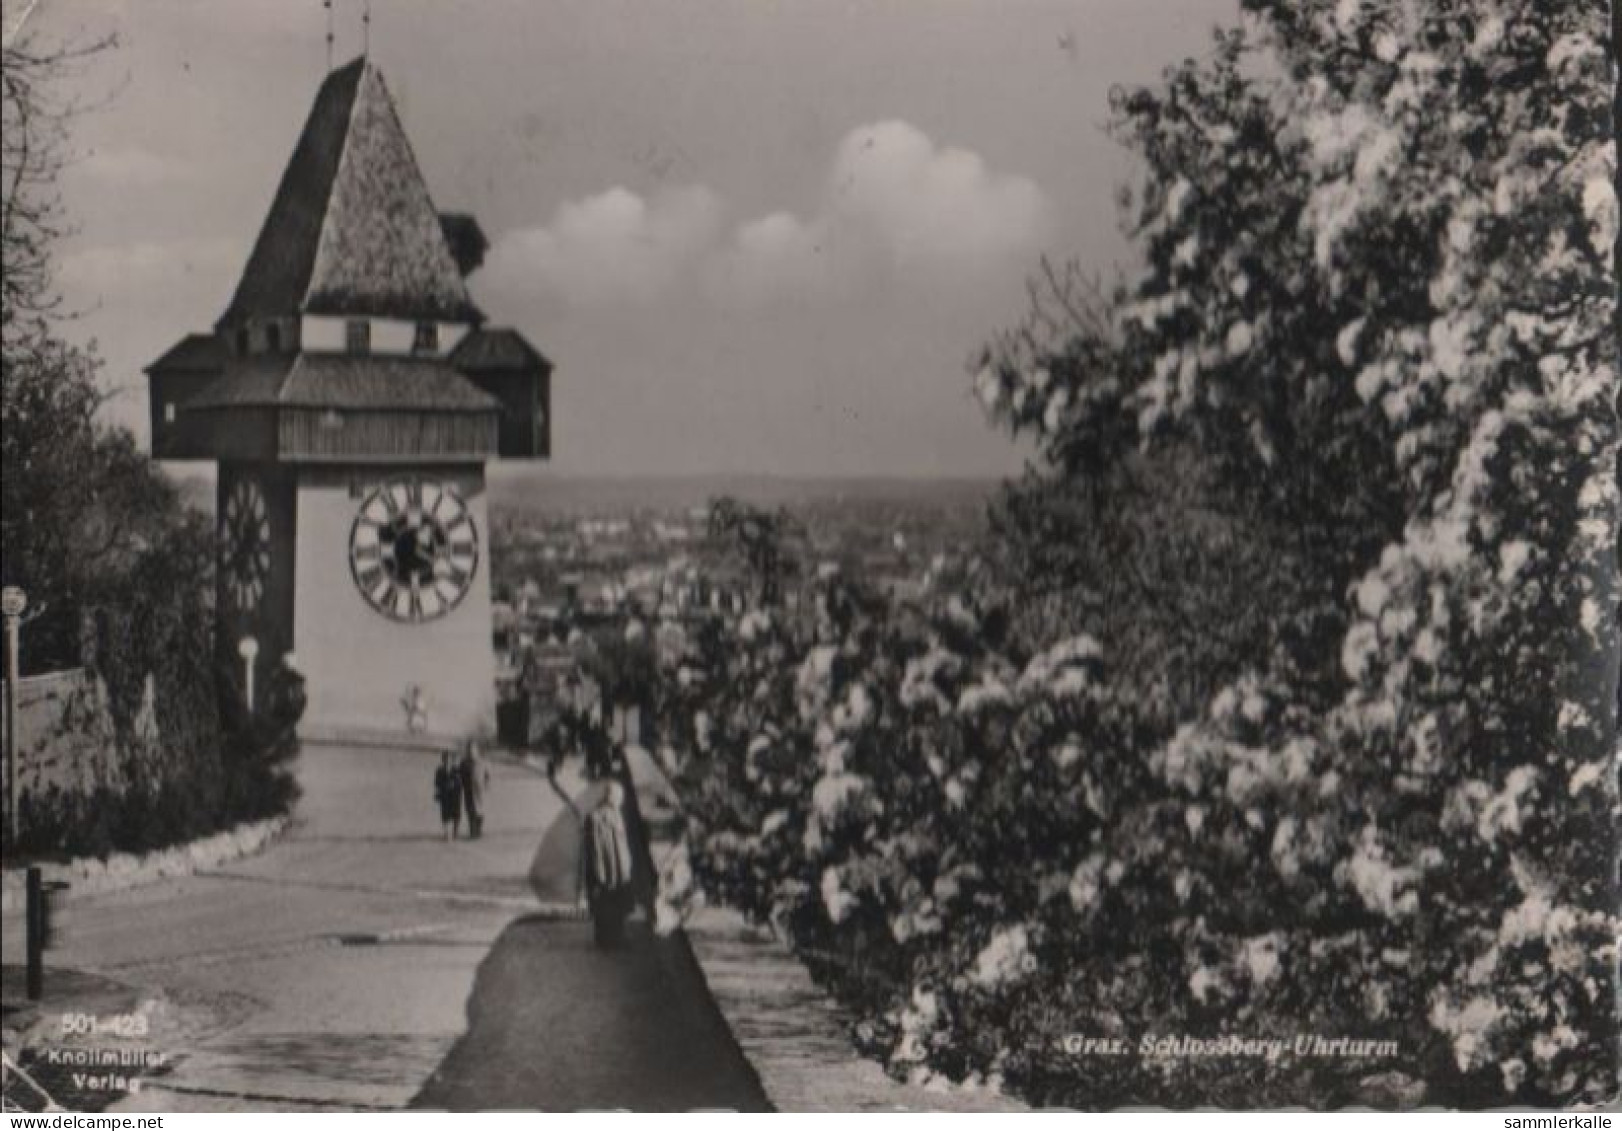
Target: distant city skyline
(754, 238)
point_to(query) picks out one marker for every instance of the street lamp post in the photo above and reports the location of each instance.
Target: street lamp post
(12, 603)
(248, 649)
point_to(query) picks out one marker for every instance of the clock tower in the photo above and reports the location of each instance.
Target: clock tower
(352, 395)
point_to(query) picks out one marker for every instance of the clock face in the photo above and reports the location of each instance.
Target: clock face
(245, 545)
(414, 549)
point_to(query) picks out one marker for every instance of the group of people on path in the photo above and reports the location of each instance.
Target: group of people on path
(606, 862)
(459, 785)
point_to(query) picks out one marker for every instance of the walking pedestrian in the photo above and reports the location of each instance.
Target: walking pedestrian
(448, 792)
(475, 776)
(607, 855)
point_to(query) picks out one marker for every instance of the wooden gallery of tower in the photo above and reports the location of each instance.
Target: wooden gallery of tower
(352, 395)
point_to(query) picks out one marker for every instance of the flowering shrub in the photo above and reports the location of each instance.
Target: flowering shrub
(1364, 784)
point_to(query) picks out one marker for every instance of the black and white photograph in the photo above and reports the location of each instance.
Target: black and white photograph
(964, 556)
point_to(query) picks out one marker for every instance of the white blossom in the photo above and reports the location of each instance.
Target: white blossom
(1006, 957)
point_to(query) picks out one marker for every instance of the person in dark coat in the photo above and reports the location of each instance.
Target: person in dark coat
(448, 792)
(607, 854)
(475, 776)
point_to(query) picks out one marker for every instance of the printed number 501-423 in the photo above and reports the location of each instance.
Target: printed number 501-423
(112, 1025)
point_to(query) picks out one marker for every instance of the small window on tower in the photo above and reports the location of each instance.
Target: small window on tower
(358, 335)
(427, 338)
(169, 412)
(242, 341)
(273, 338)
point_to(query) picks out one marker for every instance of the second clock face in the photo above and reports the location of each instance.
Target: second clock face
(414, 549)
(245, 544)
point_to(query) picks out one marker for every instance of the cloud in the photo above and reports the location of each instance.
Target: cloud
(931, 204)
(894, 208)
(614, 246)
(775, 255)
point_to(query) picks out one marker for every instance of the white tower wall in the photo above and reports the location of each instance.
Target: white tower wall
(359, 664)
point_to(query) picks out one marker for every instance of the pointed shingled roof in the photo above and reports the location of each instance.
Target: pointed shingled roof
(352, 230)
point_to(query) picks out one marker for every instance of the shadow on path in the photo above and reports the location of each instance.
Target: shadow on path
(558, 1024)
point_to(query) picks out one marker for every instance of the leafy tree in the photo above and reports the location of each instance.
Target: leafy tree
(35, 119)
(120, 575)
(761, 539)
(66, 485)
(1378, 304)
(81, 504)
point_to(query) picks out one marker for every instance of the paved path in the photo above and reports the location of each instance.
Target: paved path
(333, 970)
(556, 1023)
(362, 956)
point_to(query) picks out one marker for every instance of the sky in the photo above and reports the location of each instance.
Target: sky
(754, 236)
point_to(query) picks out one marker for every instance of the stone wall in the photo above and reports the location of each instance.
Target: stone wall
(797, 1039)
(65, 737)
(86, 876)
